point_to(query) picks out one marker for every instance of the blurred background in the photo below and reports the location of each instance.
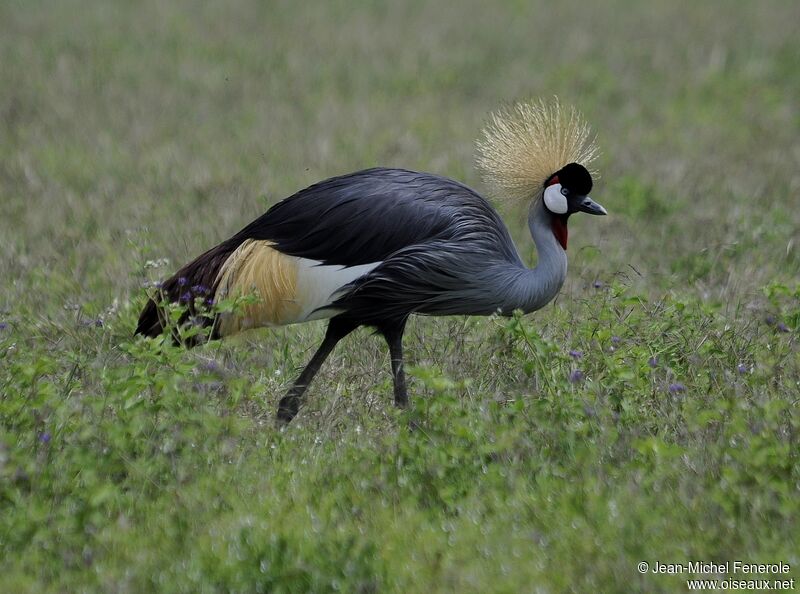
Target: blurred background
(132, 131)
(649, 414)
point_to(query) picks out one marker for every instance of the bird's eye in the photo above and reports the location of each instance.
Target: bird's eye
(564, 191)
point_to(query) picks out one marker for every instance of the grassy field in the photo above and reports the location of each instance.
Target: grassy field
(649, 414)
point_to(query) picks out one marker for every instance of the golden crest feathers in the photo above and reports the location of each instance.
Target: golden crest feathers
(524, 144)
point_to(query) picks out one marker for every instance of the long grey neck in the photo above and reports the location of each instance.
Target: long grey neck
(536, 287)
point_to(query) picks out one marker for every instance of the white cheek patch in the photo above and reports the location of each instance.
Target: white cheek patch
(554, 200)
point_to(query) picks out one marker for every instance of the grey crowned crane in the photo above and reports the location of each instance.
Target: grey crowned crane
(373, 247)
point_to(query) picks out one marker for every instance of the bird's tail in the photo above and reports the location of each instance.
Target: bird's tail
(194, 285)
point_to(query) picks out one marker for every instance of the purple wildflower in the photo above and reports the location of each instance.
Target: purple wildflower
(742, 368)
(770, 319)
(44, 437)
(597, 284)
(200, 289)
(782, 327)
(576, 376)
(211, 366)
(186, 297)
(210, 301)
(183, 281)
(615, 340)
(653, 362)
(3, 325)
(677, 388)
(576, 354)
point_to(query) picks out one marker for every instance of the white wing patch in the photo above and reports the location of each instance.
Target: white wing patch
(316, 284)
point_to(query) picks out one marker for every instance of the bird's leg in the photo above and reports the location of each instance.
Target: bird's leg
(394, 337)
(290, 403)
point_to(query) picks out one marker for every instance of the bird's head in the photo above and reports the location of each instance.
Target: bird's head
(540, 152)
(566, 192)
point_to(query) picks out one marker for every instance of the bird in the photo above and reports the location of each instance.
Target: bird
(373, 247)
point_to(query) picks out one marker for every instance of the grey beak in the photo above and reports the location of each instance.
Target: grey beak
(591, 207)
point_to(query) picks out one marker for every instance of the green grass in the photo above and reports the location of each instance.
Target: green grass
(131, 132)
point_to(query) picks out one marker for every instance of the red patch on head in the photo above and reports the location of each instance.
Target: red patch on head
(560, 231)
(553, 181)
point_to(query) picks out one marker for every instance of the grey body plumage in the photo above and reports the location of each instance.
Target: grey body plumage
(469, 267)
(420, 243)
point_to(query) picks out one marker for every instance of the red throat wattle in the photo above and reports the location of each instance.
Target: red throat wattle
(559, 226)
(560, 231)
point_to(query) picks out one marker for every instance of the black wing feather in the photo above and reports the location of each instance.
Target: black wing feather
(435, 237)
(363, 217)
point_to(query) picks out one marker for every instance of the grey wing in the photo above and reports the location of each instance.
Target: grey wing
(432, 236)
(362, 217)
(437, 277)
